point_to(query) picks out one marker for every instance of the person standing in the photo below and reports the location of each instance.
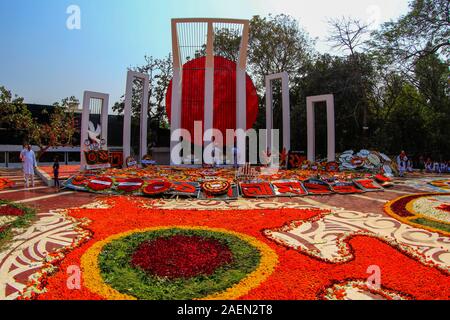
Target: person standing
(56, 173)
(402, 161)
(29, 163)
(22, 157)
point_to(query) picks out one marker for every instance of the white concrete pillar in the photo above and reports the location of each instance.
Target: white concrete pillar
(175, 117)
(144, 117)
(87, 96)
(131, 76)
(209, 85)
(331, 138)
(286, 113)
(311, 130)
(241, 90)
(269, 112)
(126, 134)
(310, 119)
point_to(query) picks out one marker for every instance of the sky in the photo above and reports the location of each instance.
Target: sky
(43, 60)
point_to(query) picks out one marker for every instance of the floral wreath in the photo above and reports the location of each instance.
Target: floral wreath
(216, 187)
(157, 187)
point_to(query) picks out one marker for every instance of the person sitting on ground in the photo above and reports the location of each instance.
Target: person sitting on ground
(56, 173)
(409, 166)
(436, 167)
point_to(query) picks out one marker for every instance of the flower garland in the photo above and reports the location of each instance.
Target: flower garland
(79, 180)
(129, 185)
(368, 184)
(345, 188)
(100, 183)
(317, 187)
(156, 187)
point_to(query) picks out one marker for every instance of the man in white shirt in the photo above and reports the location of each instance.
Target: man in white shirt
(29, 163)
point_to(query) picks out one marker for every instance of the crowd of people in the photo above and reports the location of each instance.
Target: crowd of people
(436, 167)
(406, 164)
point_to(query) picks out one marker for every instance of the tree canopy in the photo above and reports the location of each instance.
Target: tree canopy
(59, 131)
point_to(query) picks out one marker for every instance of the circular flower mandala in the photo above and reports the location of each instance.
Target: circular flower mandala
(177, 263)
(181, 256)
(428, 211)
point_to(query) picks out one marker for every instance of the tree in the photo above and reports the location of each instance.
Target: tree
(336, 75)
(432, 82)
(58, 132)
(349, 35)
(276, 44)
(423, 31)
(13, 112)
(293, 49)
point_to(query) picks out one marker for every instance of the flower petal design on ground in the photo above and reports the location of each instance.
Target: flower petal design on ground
(326, 237)
(359, 290)
(34, 251)
(443, 184)
(96, 283)
(296, 276)
(6, 183)
(426, 184)
(181, 256)
(425, 210)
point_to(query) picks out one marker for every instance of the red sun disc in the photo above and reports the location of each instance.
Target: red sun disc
(193, 95)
